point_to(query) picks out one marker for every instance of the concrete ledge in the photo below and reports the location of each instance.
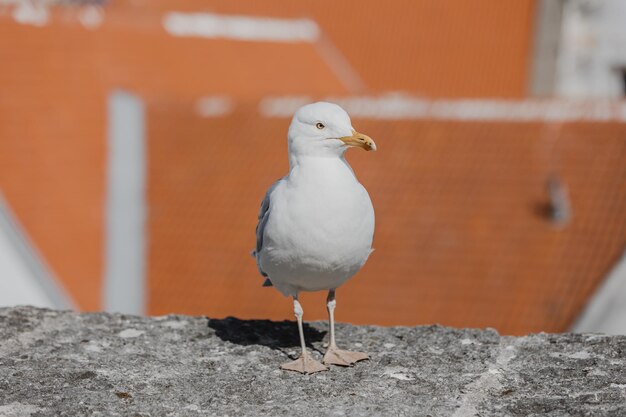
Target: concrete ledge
(62, 363)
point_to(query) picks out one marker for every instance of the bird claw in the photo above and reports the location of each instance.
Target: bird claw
(305, 364)
(336, 356)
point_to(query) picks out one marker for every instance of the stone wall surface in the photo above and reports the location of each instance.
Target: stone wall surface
(63, 363)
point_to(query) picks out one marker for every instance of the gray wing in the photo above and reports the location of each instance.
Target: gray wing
(264, 214)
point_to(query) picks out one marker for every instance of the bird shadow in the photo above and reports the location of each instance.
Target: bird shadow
(278, 335)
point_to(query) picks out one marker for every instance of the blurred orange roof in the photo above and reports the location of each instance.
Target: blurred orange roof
(445, 48)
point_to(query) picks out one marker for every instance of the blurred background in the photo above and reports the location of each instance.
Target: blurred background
(138, 137)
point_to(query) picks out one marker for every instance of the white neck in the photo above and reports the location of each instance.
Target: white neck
(323, 168)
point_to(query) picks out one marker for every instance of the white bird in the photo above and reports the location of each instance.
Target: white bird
(316, 224)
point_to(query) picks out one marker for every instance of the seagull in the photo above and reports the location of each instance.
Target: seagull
(316, 224)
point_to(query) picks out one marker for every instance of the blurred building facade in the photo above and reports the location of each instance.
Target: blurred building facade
(592, 56)
(494, 208)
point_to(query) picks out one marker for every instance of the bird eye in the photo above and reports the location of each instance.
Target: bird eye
(319, 126)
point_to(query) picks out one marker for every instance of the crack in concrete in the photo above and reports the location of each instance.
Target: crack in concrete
(478, 390)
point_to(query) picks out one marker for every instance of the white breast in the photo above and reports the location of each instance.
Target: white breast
(320, 228)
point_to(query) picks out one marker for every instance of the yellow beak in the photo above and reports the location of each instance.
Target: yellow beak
(359, 140)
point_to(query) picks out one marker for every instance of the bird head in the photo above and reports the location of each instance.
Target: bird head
(324, 129)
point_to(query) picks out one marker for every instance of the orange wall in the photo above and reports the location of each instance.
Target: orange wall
(461, 238)
(52, 121)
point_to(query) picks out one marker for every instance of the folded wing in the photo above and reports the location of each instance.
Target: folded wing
(264, 214)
